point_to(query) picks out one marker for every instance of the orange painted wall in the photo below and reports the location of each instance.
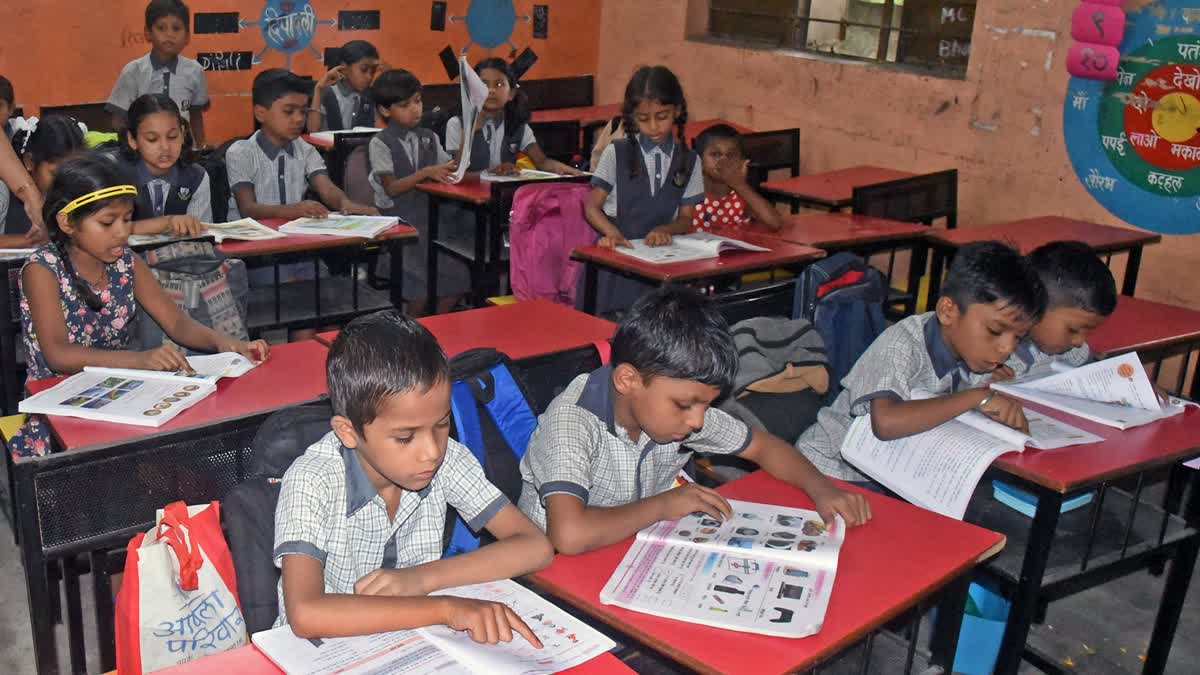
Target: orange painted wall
(70, 51)
(1001, 127)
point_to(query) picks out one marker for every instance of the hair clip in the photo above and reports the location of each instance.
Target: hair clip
(97, 195)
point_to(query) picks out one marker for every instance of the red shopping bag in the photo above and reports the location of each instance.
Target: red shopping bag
(178, 601)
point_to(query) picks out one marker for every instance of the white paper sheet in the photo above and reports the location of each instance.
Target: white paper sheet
(472, 92)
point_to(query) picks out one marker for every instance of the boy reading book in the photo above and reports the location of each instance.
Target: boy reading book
(991, 298)
(361, 514)
(601, 463)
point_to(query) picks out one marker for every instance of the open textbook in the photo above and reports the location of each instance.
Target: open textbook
(147, 398)
(768, 569)
(338, 225)
(472, 93)
(521, 174)
(16, 253)
(1115, 392)
(328, 136)
(685, 247)
(246, 229)
(567, 642)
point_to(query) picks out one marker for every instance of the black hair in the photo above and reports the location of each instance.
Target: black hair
(150, 104)
(6, 91)
(354, 51)
(516, 111)
(993, 271)
(55, 138)
(676, 332)
(1074, 276)
(157, 9)
(720, 132)
(75, 178)
(394, 86)
(653, 83)
(377, 356)
(273, 84)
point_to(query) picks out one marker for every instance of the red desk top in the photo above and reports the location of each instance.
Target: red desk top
(903, 555)
(585, 114)
(781, 253)
(248, 660)
(318, 143)
(840, 230)
(303, 242)
(1144, 325)
(832, 188)
(519, 330)
(470, 191)
(1121, 453)
(693, 129)
(294, 373)
(1031, 233)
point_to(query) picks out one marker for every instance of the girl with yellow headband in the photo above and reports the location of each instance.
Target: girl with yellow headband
(80, 292)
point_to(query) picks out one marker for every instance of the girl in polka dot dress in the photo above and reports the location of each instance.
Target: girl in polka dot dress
(729, 201)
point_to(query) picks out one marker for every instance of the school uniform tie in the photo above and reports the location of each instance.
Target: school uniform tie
(658, 169)
(283, 198)
(160, 197)
(166, 82)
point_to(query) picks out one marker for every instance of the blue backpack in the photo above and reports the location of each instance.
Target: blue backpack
(493, 418)
(848, 316)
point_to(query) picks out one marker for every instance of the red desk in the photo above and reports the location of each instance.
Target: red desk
(248, 660)
(293, 243)
(902, 557)
(831, 190)
(583, 115)
(1031, 233)
(520, 330)
(782, 254)
(317, 142)
(1150, 328)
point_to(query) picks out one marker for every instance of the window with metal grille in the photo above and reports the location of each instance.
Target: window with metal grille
(933, 35)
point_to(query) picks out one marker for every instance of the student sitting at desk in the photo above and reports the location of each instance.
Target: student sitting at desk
(361, 514)
(1081, 293)
(342, 98)
(729, 200)
(42, 145)
(174, 195)
(80, 292)
(601, 464)
(991, 298)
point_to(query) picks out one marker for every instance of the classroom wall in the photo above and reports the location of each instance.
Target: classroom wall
(70, 51)
(1001, 127)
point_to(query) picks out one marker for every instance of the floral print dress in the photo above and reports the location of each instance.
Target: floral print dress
(108, 328)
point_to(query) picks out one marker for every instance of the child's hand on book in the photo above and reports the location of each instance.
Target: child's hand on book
(694, 498)
(309, 209)
(257, 351)
(851, 506)
(658, 237)
(1007, 411)
(613, 241)
(441, 173)
(184, 226)
(407, 582)
(489, 622)
(351, 208)
(166, 358)
(505, 169)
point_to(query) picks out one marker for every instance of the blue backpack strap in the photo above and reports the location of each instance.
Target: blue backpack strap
(470, 434)
(510, 411)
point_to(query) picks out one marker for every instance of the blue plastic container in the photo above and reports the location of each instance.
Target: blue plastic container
(980, 637)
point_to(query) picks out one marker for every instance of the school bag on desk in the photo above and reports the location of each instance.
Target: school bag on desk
(179, 598)
(547, 223)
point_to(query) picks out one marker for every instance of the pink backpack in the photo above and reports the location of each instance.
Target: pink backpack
(548, 223)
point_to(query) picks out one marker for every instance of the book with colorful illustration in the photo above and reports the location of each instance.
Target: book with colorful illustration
(246, 229)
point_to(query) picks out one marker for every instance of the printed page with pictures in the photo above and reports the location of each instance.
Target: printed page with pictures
(336, 225)
(147, 400)
(209, 367)
(1115, 392)
(767, 570)
(686, 247)
(246, 229)
(1045, 432)
(567, 642)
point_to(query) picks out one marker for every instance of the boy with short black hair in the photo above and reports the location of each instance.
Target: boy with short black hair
(601, 464)
(164, 70)
(270, 171)
(342, 97)
(1081, 293)
(729, 200)
(990, 300)
(361, 514)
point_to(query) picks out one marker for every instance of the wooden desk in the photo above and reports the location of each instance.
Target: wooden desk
(1031, 233)
(831, 190)
(293, 243)
(1151, 329)
(896, 562)
(520, 330)
(782, 254)
(248, 660)
(105, 485)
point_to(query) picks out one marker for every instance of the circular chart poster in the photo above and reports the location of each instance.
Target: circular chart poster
(1135, 142)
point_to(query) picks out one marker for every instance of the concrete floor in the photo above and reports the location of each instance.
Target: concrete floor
(1104, 630)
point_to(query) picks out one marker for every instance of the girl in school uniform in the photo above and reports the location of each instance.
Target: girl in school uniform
(502, 129)
(173, 195)
(42, 145)
(80, 292)
(646, 183)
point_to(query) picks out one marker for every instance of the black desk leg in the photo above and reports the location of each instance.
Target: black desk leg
(1132, 266)
(590, 281)
(1033, 569)
(106, 638)
(495, 260)
(916, 269)
(1171, 605)
(8, 346)
(431, 256)
(396, 271)
(943, 644)
(480, 266)
(41, 613)
(74, 615)
(937, 266)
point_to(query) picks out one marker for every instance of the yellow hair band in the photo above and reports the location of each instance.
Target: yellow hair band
(98, 195)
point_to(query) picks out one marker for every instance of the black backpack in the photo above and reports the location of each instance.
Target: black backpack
(248, 510)
(218, 179)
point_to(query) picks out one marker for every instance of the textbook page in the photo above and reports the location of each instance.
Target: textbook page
(472, 93)
(936, 470)
(16, 253)
(1045, 432)
(328, 136)
(404, 651)
(523, 174)
(336, 225)
(685, 247)
(753, 589)
(145, 400)
(245, 229)
(209, 367)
